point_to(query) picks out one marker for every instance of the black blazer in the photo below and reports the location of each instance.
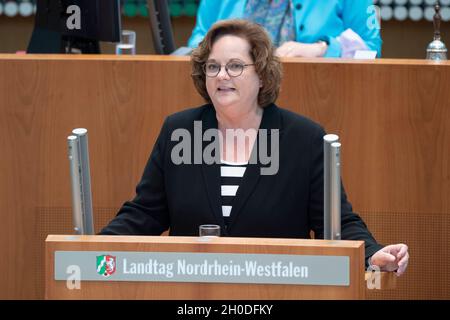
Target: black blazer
(286, 205)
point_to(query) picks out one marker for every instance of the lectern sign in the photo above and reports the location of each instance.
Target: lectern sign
(204, 267)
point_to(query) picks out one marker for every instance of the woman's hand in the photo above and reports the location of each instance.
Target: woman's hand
(392, 258)
(298, 49)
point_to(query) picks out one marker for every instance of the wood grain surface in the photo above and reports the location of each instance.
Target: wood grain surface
(393, 118)
(213, 291)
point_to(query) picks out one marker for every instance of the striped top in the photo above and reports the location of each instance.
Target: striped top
(231, 174)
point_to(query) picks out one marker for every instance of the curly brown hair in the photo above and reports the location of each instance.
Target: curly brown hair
(262, 52)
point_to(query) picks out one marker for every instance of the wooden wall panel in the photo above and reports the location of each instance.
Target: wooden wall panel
(393, 118)
(394, 123)
(428, 238)
(206, 291)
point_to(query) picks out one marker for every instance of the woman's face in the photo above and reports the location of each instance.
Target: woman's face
(233, 95)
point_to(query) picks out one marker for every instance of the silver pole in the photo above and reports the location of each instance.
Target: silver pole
(327, 184)
(85, 175)
(77, 206)
(336, 191)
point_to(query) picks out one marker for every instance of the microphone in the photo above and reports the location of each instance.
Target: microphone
(332, 188)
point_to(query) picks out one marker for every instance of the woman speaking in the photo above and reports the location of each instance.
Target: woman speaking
(257, 170)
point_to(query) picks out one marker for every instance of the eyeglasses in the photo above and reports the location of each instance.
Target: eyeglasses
(233, 68)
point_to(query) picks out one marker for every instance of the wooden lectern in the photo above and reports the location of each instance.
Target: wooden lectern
(208, 268)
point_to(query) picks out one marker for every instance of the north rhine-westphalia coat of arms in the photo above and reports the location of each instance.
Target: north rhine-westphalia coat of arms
(106, 265)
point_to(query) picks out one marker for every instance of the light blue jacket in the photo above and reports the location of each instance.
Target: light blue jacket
(314, 20)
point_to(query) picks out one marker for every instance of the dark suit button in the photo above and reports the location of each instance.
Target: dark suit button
(302, 27)
(298, 6)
